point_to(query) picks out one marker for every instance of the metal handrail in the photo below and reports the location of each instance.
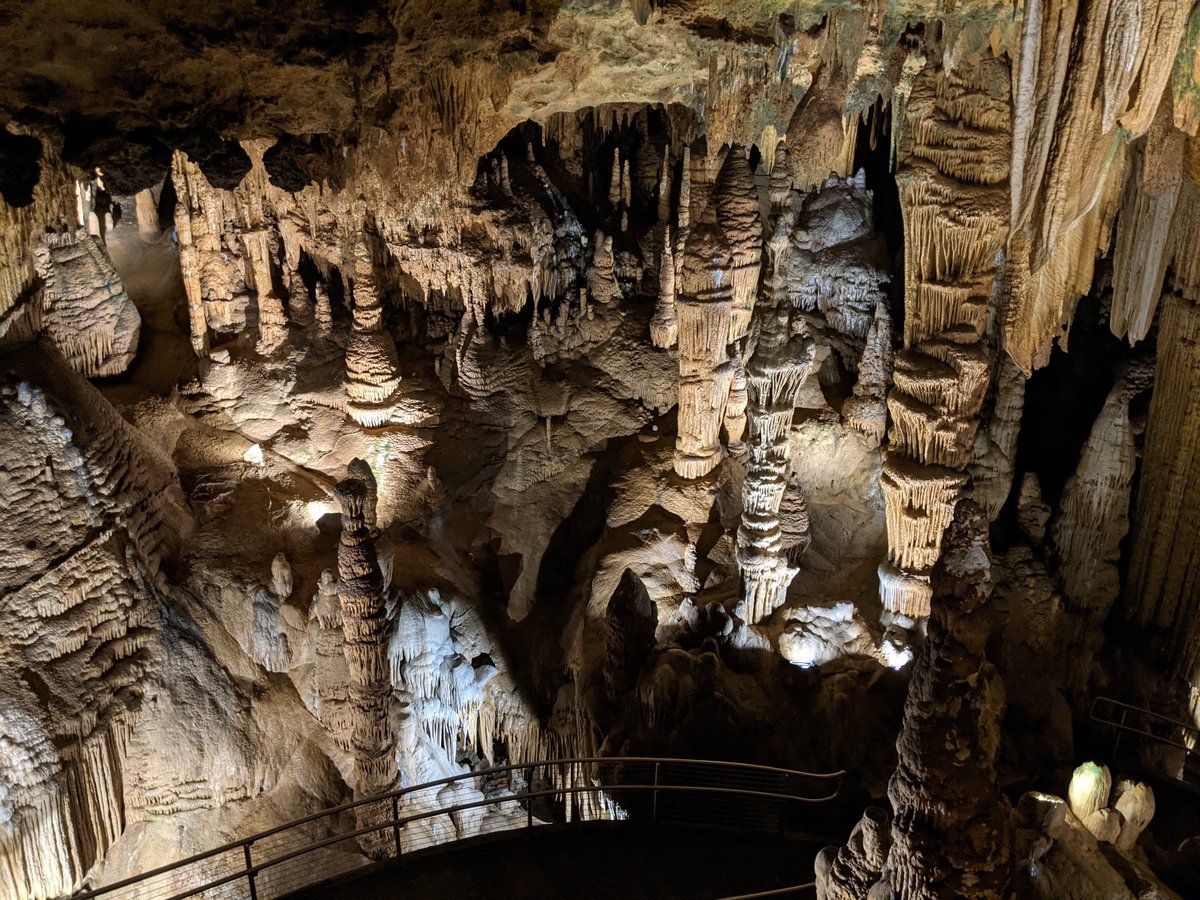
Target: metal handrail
(777, 892)
(1121, 725)
(396, 821)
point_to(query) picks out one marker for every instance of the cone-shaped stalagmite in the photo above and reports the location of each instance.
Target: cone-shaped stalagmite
(949, 834)
(778, 366)
(364, 622)
(716, 291)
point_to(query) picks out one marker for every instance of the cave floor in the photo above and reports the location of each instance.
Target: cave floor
(592, 862)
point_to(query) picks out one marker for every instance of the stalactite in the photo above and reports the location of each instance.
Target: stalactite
(272, 324)
(1069, 135)
(1143, 247)
(372, 376)
(952, 174)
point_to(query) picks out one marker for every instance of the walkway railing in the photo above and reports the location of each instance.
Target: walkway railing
(1146, 724)
(337, 841)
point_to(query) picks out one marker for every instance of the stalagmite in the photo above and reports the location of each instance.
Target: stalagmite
(323, 314)
(849, 872)
(629, 620)
(995, 453)
(299, 303)
(1094, 510)
(601, 279)
(1162, 588)
(866, 408)
(779, 364)
(372, 379)
(364, 623)
(146, 208)
(331, 673)
(950, 833)
(716, 295)
(664, 326)
(952, 176)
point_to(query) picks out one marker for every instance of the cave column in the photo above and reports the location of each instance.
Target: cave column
(372, 367)
(717, 282)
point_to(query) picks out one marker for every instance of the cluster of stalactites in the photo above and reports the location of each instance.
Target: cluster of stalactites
(1089, 78)
(952, 179)
(780, 363)
(716, 284)
(372, 367)
(261, 248)
(364, 623)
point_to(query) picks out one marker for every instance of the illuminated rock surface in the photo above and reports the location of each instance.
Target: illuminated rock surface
(391, 391)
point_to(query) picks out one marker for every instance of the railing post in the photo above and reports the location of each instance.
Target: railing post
(250, 871)
(529, 797)
(396, 823)
(654, 802)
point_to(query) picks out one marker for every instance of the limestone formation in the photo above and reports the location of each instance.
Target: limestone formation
(949, 832)
(394, 391)
(1095, 506)
(630, 622)
(850, 872)
(364, 622)
(952, 173)
(778, 365)
(372, 379)
(1161, 588)
(85, 312)
(704, 309)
